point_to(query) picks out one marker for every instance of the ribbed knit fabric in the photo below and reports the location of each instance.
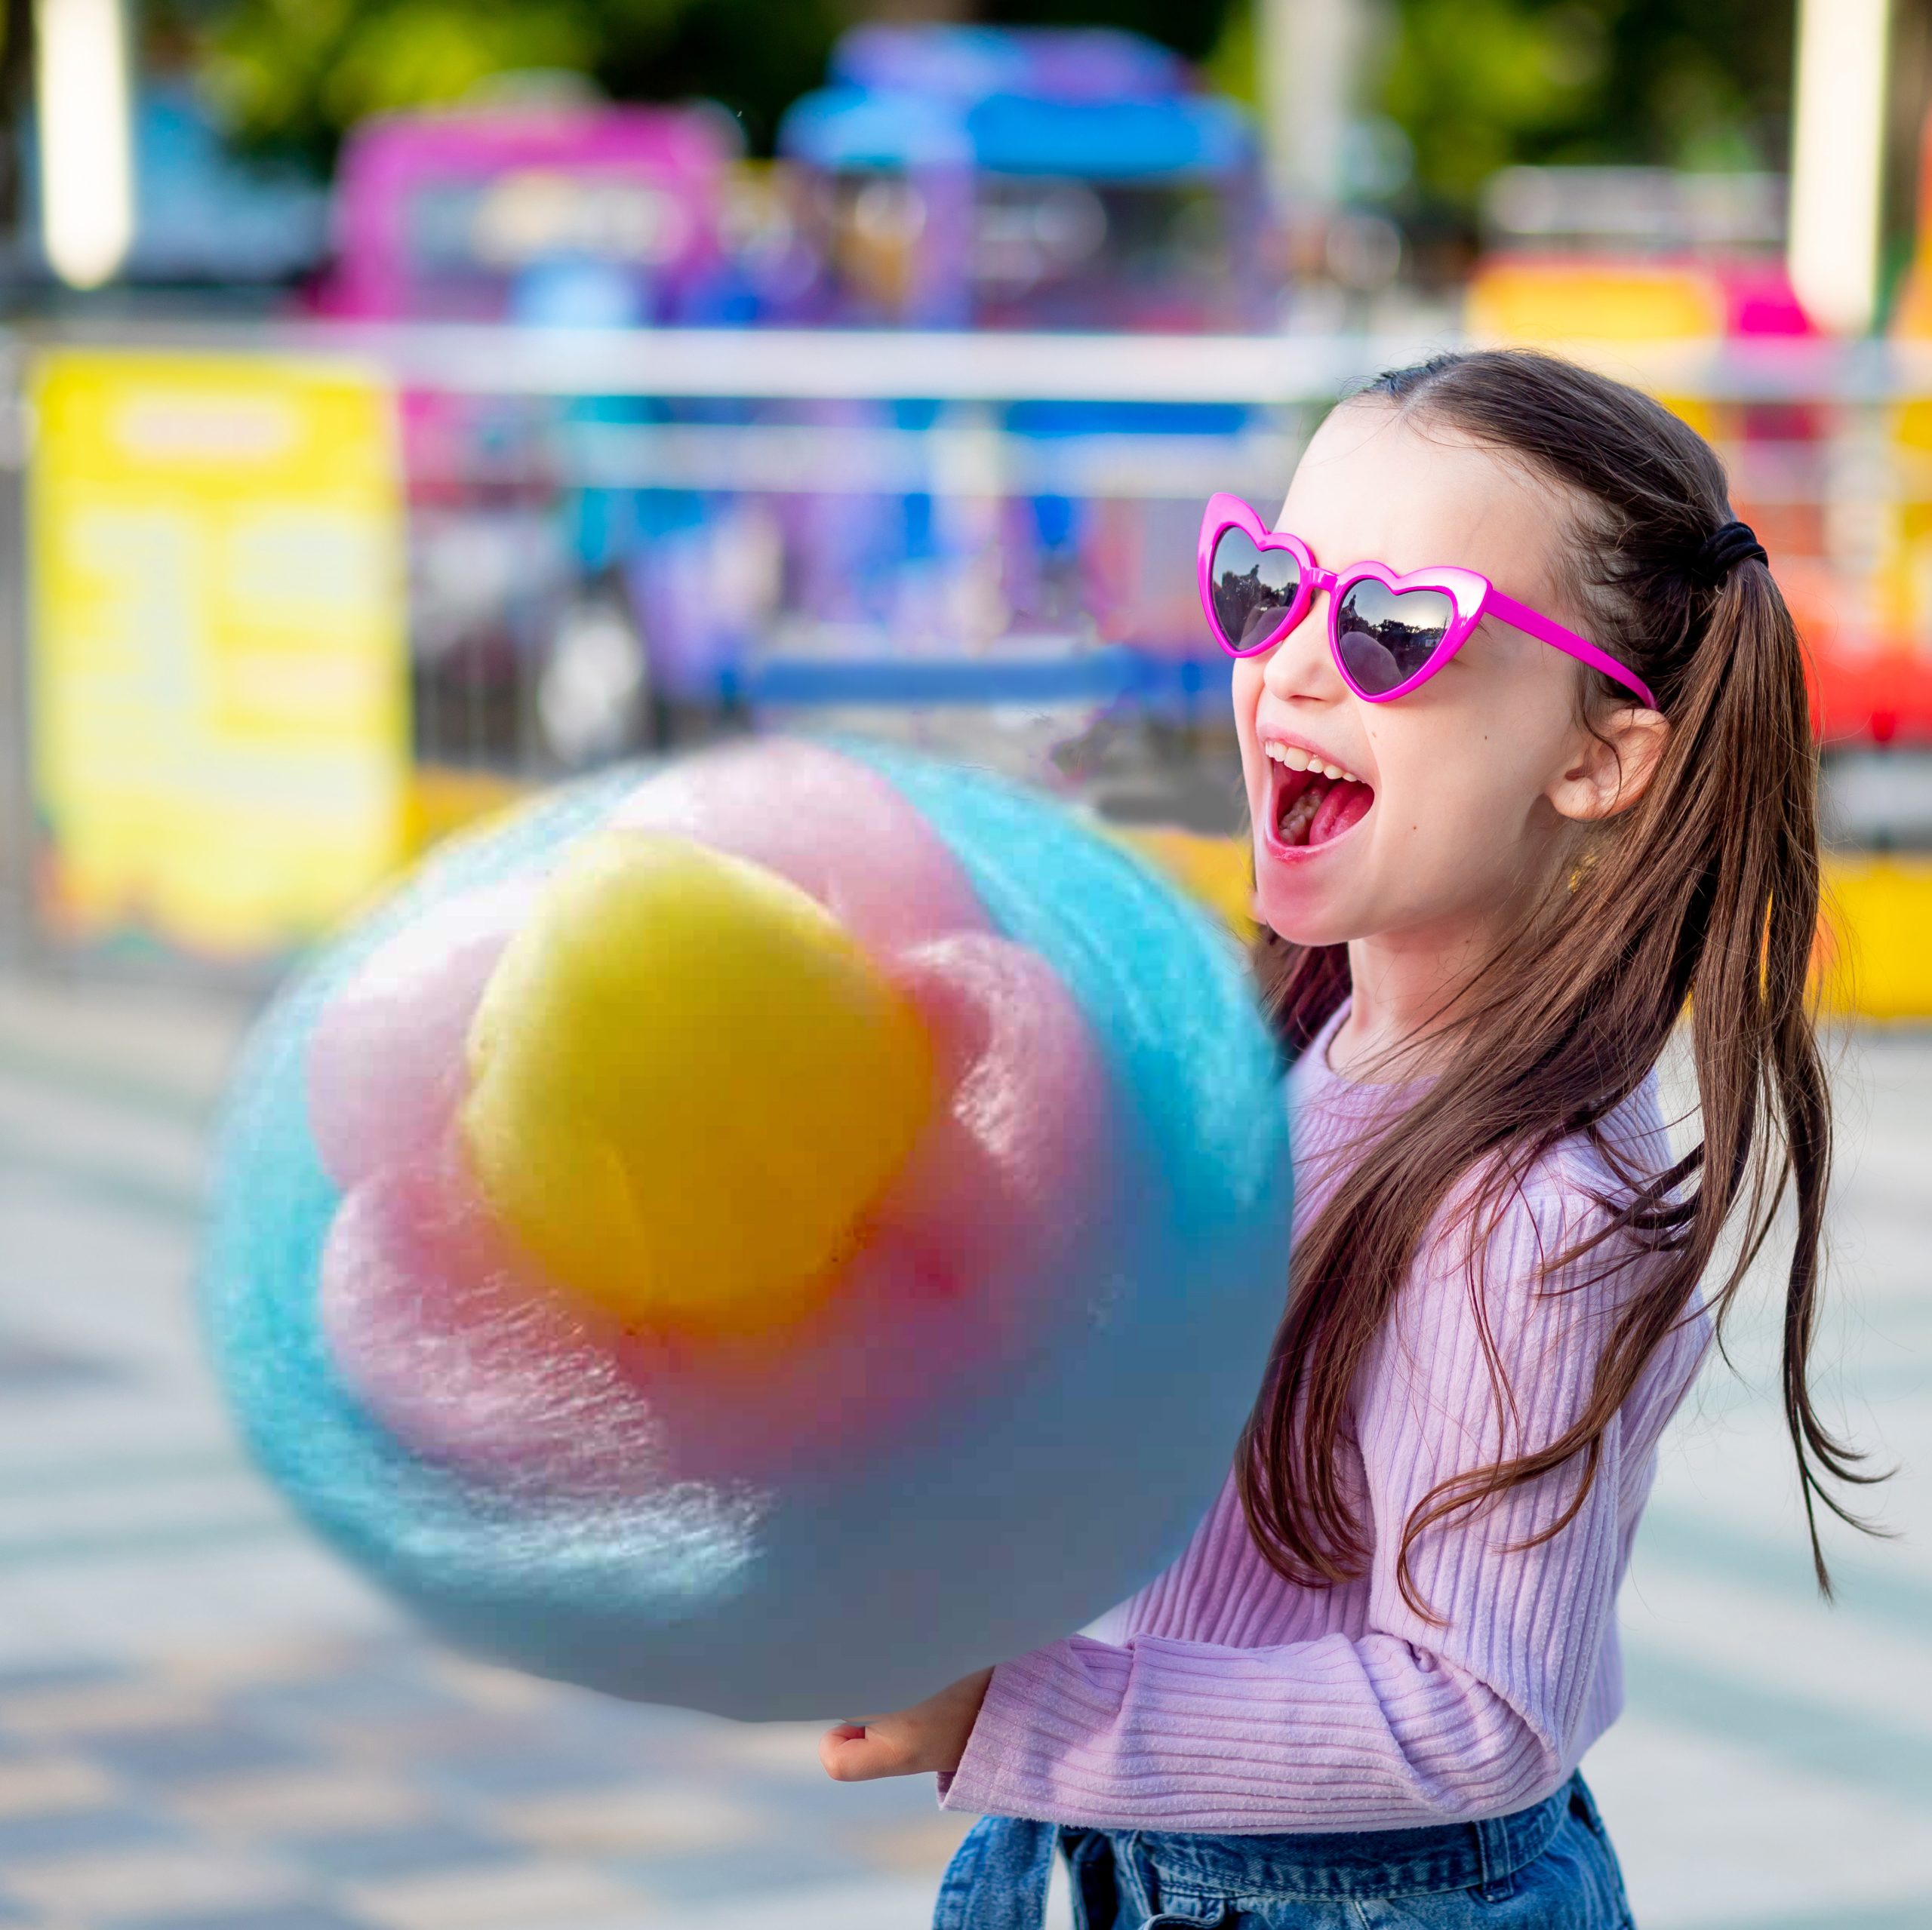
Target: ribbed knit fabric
(1222, 1698)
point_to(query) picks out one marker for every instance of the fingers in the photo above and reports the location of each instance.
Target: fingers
(932, 1735)
(852, 1753)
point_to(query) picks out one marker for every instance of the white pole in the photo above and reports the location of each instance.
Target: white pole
(1838, 154)
(1307, 50)
(85, 116)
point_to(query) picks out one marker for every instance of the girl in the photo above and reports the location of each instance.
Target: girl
(1526, 784)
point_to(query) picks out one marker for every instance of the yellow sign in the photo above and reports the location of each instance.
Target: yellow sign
(219, 663)
(1590, 309)
(1546, 300)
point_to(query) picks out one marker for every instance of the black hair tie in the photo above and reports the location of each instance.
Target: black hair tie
(1721, 552)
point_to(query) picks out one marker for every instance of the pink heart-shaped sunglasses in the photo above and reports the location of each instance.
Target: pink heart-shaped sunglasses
(1386, 633)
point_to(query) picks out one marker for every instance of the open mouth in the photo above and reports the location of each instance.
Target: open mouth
(1309, 808)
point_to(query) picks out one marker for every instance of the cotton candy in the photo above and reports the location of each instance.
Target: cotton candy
(992, 1405)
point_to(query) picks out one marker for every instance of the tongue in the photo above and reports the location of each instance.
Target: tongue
(1324, 808)
(1344, 805)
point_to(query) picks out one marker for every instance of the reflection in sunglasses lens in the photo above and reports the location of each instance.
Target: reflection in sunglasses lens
(1386, 636)
(1252, 588)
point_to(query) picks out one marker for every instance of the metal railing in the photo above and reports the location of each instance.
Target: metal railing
(984, 539)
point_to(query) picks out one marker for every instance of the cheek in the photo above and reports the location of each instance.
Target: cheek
(1464, 804)
(1246, 702)
(1246, 691)
(1465, 761)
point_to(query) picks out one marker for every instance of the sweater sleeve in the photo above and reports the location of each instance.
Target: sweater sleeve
(1410, 1722)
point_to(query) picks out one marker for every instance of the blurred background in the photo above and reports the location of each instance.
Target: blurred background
(405, 404)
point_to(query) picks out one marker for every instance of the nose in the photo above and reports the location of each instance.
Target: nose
(1300, 665)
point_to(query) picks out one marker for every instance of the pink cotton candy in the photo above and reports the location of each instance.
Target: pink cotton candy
(385, 1065)
(458, 1345)
(466, 1356)
(835, 829)
(999, 1184)
(460, 1349)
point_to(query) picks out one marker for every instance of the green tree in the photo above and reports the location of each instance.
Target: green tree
(295, 73)
(1476, 84)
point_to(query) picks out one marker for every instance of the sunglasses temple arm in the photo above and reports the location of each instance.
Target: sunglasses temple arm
(1521, 617)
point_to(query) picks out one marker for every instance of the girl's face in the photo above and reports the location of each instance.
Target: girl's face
(1464, 788)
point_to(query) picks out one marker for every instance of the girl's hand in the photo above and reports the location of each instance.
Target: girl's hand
(931, 1734)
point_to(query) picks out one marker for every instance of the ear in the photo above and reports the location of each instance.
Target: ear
(1610, 767)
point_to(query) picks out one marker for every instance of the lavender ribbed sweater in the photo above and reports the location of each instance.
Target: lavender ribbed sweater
(1222, 1698)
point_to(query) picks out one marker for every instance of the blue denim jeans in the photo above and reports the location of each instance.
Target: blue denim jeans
(1549, 1867)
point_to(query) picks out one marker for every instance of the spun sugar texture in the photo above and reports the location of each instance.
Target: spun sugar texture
(1016, 1397)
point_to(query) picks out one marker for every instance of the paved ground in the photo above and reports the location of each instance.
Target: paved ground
(204, 1722)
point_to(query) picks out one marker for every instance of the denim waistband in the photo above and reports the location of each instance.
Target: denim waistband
(998, 1882)
(1358, 1863)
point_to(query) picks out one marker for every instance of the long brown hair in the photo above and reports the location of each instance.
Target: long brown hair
(1705, 894)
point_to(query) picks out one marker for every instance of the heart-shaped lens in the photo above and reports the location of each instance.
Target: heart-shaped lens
(1386, 636)
(1252, 589)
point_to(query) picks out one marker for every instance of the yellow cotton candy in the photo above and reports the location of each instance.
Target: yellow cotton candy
(687, 1083)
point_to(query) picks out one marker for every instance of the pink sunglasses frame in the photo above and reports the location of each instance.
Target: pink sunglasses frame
(1473, 594)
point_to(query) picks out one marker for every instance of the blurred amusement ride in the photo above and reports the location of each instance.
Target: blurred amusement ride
(570, 432)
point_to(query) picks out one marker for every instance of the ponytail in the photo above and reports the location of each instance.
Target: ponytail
(1746, 765)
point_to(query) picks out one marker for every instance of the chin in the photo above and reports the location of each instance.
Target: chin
(1291, 910)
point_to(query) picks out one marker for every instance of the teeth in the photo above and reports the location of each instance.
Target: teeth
(1298, 818)
(1296, 758)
